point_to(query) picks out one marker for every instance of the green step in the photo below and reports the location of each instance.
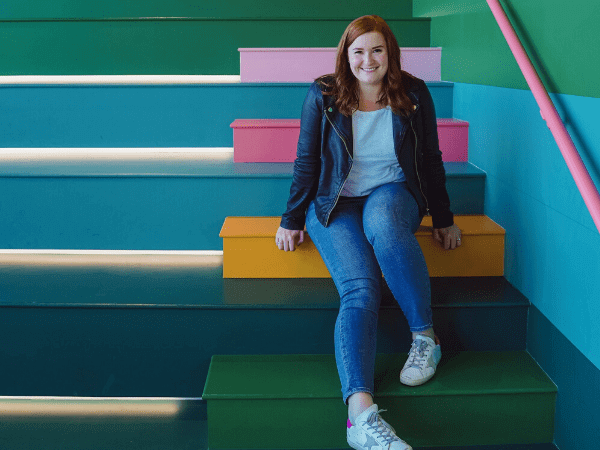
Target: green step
(140, 46)
(270, 401)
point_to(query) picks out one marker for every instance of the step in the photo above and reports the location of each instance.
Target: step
(194, 115)
(147, 325)
(140, 44)
(500, 397)
(265, 65)
(249, 250)
(276, 140)
(174, 202)
(117, 430)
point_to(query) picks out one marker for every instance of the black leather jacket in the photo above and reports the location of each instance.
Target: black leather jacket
(324, 158)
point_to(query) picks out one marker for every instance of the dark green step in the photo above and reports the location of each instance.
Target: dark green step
(181, 432)
(224, 9)
(475, 398)
(151, 331)
(154, 46)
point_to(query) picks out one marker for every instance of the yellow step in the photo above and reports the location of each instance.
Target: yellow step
(249, 250)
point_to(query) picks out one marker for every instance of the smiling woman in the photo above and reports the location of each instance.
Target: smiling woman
(368, 168)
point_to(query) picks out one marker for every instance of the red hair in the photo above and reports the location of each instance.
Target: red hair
(344, 85)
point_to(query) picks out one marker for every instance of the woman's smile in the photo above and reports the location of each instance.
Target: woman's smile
(368, 58)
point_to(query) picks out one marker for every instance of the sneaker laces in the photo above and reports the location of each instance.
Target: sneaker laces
(381, 429)
(417, 356)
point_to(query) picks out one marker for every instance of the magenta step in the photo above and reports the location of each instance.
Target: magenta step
(297, 65)
(275, 140)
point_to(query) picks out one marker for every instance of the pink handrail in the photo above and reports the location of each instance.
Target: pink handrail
(582, 178)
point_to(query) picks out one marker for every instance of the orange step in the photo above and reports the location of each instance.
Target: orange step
(249, 250)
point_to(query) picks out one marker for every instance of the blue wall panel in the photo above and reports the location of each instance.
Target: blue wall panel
(552, 244)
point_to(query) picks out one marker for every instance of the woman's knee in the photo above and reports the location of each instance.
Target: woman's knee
(390, 209)
(363, 293)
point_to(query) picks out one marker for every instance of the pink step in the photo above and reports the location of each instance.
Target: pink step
(453, 135)
(299, 65)
(275, 140)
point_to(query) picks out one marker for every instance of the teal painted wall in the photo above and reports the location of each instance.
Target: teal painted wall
(559, 37)
(552, 244)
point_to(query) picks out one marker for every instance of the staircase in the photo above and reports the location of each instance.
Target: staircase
(193, 340)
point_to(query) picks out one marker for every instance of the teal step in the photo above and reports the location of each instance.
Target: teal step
(155, 205)
(138, 331)
(152, 116)
(475, 398)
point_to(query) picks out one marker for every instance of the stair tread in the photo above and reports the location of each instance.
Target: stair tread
(267, 226)
(295, 123)
(211, 165)
(202, 285)
(315, 376)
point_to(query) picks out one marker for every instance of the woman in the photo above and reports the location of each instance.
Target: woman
(368, 168)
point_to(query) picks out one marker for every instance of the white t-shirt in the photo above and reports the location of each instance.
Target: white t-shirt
(374, 161)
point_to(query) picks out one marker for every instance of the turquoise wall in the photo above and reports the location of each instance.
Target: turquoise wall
(552, 244)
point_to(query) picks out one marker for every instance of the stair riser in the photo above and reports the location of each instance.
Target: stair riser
(166, 352)
(157, 116)
(421, 421)
(155, 46)
(259, 257)
(277, 141)
(169, 213)
(290, 65)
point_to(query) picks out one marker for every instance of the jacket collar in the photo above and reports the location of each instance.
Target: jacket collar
(343, 124)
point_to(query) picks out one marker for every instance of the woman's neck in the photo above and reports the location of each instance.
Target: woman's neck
(367, 98)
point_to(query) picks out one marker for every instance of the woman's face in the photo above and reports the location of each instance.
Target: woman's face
(369, 58)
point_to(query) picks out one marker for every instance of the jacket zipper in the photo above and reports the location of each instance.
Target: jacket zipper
(417, 169)
(342, 187)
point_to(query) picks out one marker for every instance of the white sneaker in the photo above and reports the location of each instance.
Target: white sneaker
(422, 361)
(371, 432)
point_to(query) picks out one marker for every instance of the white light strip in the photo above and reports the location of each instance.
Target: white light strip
(83, 154)
(90, 406)
(112, 252)
(111, 258)
(76, 398)
(113, 150)
(124, 80)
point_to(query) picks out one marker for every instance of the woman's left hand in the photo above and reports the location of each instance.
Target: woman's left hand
(449, 237)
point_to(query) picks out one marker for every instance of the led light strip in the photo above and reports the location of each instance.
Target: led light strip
(30, 406)
(76, 154)
(118, 80)
(112, 258)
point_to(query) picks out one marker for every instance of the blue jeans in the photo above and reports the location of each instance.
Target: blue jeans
(366, 236)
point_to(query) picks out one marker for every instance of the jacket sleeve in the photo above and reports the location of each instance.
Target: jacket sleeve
(307, 165)
(433, 167)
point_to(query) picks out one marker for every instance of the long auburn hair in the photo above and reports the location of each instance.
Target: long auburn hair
(343, 84)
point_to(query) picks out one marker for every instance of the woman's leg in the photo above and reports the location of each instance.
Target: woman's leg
(356, 274)
(391, 218)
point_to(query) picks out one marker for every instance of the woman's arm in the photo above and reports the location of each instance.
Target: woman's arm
(445, 230)
(307, 165)
(433, 167)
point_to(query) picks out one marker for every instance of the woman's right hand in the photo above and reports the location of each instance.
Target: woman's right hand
(286, 239)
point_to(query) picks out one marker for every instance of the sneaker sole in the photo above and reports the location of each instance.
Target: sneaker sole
(416, 382)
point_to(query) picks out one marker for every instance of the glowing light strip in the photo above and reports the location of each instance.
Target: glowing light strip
(113, 150)
(123, 80)
(91, 406)
(20, 155)
(111, 258)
